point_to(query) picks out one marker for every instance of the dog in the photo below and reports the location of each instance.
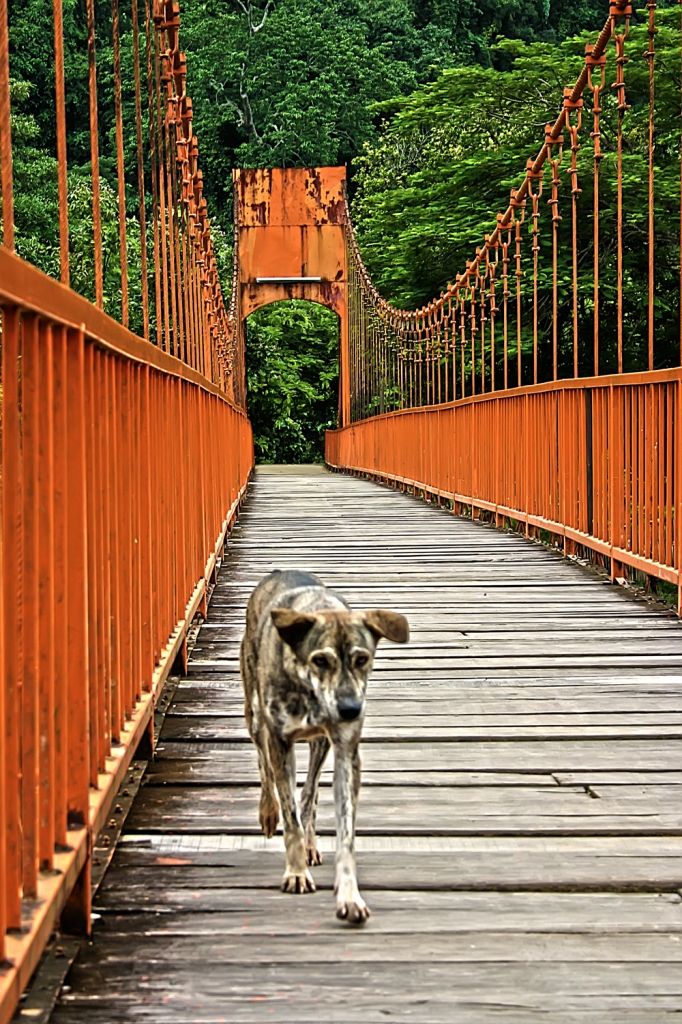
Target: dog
(305, 661)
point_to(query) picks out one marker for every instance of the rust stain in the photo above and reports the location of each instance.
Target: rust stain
(291, 223)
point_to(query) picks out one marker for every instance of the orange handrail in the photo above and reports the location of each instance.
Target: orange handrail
(596, 462)
(123, 466)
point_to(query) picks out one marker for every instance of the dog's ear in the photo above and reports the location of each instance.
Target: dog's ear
(393, 626)
(291, 625)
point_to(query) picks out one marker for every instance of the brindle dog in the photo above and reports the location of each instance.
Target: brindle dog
(305, 661)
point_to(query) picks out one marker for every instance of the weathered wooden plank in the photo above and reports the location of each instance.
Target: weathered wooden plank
(372, 948)
(506, 662)
(163, 881)
(434, 730)
(486, 691)
(499, 755)
(196, 702)
(428, 993)
(436, 913)
(483, 810)
(430, 798)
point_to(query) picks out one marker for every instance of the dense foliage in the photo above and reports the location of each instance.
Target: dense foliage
(292, 372)
(434, 104)
(299, 83)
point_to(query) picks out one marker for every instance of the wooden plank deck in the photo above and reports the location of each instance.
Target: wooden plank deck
(520, 823)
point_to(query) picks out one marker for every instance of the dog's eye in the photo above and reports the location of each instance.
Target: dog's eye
(361, 660)
(320, 661)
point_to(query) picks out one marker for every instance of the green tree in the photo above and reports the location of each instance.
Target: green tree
(292, 374)
(430, 189)
(297, 83)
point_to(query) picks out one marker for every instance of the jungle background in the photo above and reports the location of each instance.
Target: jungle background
(434, 105)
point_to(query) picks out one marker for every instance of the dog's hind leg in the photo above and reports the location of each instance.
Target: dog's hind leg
(319, 748)
(350, 905)
(296, 878)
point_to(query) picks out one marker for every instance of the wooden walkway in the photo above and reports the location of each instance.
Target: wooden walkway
(520, 823)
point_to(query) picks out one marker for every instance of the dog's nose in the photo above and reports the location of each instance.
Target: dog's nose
(349, 708)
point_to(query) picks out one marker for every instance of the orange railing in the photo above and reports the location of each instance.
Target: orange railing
(596, 461)
(124, 460)
(122, 470)
(469, 390)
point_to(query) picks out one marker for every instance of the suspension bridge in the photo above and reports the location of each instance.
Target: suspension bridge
(506, 471)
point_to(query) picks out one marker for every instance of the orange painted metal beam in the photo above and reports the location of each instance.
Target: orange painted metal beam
(291, 244)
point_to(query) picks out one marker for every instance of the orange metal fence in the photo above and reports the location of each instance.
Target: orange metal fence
(122, 470)
(124, 460)
(468, 389)
(597, 461)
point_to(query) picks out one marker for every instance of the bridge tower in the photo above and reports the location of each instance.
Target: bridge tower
(291, 244)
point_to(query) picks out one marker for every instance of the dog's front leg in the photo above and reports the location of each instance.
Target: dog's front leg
(350, 905)
(296, 878)
(319, 748)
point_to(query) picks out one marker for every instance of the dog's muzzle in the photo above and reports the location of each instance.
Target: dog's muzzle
(349, 708)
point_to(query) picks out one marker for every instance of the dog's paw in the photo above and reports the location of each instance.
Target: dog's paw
(354, 911)
(295, 881)
(313, 855)
(269, 817)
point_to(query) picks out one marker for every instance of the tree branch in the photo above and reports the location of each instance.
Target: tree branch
(242, 109)
(247, 8)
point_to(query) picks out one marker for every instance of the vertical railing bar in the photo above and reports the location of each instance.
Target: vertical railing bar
(46, 747)
(127, 540)
(7, 177)
(161, 165)
(29, 710)
(155, 172)
(61, 611)
(12, 533)
(595, 64)
(142, 213)
(518, 273)
(112, 370)
(669, 440)
(171, 128)
(60, 105)
(105, 621)
(78, 717)
(120, 164)
(651, 241)
(5, 776)
(138, 667)
(147, 496)
(94, 562)
(659, 554)
(169, 160)
(94, 156)
(619, 85)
